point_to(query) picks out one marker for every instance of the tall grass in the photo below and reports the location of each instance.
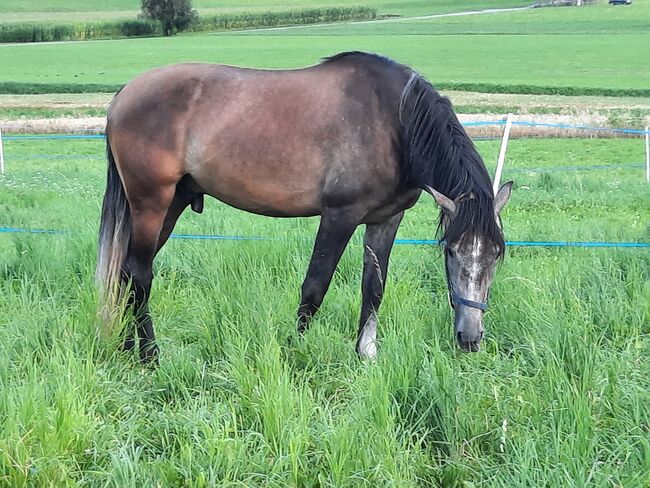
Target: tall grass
(558, 397)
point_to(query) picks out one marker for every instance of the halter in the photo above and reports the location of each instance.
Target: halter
(456, 299)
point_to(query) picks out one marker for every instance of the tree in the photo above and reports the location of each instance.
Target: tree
(174, 15)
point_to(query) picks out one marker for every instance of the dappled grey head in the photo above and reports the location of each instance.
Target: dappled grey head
(471, 256)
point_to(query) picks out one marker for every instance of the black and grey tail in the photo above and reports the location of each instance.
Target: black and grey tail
(114, 235)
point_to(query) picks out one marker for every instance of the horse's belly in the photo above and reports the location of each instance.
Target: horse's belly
(283, 194)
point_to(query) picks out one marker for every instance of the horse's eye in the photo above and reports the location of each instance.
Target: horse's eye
(450, 253)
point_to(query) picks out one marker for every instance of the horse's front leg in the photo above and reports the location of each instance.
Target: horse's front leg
(378, 243)
(336, 228)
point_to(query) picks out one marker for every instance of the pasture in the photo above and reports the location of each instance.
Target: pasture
(507, 52)
(558, 396)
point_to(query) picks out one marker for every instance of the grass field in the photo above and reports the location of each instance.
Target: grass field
(583, 64)
(546, 48)
(558, 397)
(20, 10)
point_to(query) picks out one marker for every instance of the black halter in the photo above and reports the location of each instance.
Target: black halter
(455, 298)
(458, 300)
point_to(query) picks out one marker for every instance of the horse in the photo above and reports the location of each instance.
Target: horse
(354, 139)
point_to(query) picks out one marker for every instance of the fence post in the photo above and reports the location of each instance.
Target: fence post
(2, 156)
(647, 155)
(502, 154)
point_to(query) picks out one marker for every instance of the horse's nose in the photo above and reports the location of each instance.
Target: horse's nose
(469, 328)
(469, 341)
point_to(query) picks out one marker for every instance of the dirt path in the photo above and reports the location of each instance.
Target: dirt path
(96, 125)
(586, 111)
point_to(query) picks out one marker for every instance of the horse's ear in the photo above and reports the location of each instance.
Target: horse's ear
(502, 197)
(446, 204)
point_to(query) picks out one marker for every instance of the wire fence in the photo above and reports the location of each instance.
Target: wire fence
(480, 123)
(412, 242)
(504, 122)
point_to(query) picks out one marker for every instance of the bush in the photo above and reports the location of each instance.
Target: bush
(173, 15)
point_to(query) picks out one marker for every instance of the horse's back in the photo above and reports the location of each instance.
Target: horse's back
(278, 142)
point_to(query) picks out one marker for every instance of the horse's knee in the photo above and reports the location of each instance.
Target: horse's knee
(313, 292)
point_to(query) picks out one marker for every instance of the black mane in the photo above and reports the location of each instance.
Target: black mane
(439, 153)
(362, 55)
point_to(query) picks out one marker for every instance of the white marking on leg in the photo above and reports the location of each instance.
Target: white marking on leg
(368, 338)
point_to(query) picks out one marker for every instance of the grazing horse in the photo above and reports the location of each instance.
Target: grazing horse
(354, 139)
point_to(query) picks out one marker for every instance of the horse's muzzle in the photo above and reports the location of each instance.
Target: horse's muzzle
(469, 344)
(469, 330)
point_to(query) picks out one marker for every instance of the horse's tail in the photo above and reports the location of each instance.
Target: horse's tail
(114, 235)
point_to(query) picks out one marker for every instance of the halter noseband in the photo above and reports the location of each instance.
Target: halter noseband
(458, 300)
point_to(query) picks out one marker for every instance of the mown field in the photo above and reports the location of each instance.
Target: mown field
(537, 51)
(558, 397)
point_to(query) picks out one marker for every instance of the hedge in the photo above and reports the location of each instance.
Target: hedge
(43, 31)
(543, 89)
(23, 88)
(274, 19)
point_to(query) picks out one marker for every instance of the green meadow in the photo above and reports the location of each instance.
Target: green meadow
(570, 51)
(558, 396)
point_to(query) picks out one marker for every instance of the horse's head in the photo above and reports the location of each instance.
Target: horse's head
(471, 255)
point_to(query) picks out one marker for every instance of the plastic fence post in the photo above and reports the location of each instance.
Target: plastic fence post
(502, 153)
(647, 155)
(2, 156)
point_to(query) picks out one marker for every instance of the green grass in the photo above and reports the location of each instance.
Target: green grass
(597, 19)
(558, 397)
(541, 62)
(582, 65)
(48, 113)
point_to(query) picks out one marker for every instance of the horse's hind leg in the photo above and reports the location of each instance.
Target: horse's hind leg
(336, 228)
(187, 193)
(378, 243)
(147, 222)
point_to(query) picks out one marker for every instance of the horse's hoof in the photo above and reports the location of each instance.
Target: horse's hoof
(149, 356)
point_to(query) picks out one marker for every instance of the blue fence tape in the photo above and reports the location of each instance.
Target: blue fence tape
(481, 123)
(421, 242)
(522, 123)
(53, 136)
(592, 167)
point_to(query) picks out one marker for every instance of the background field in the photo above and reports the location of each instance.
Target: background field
(85, 9)
(559, 395)
(551, 49)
